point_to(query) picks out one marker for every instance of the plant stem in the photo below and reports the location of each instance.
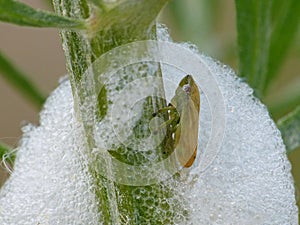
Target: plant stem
(127, 22)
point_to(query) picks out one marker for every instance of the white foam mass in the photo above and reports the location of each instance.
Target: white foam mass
(50, 183)
(249, 181)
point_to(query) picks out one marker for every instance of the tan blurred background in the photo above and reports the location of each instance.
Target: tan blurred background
(38, 52)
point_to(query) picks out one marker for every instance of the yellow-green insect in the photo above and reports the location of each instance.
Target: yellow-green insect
(185, 120)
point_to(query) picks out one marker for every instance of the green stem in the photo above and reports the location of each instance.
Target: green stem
(254, 34)
(128, 21)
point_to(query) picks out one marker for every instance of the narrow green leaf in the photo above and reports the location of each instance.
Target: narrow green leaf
(18, 13)
(5, 150)
(254, 34)
(265, 31)
(286, 21)
(289, 126)
(19, 80)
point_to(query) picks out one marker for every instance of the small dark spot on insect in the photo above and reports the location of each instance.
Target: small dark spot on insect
(187, 89)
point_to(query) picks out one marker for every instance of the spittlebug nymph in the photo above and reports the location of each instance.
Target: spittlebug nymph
(187, 104)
